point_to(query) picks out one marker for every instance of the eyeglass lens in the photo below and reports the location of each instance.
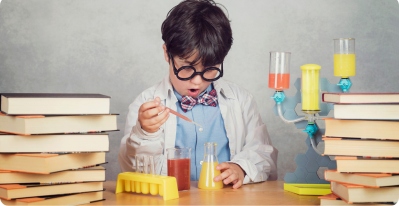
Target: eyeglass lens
(209, 73)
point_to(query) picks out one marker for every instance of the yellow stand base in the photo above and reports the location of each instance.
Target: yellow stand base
(165, 186)
(308, 189)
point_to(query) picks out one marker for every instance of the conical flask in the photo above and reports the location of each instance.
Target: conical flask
(208, 169)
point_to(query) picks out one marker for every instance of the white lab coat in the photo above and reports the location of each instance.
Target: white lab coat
(249, 142)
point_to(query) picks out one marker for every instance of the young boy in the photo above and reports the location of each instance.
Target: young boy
(197, 37)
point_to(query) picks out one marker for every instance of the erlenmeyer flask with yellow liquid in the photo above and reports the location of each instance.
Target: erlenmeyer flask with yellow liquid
(208, 169)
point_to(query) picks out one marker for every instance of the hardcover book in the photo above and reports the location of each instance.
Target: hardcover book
(372, 129)
(49, 163)
(54, 103)
(89, 174)
(27, 125)
(15, 191)
(360, 98)
(69, 199)
(367, 111)
(361, 147)
(364, 179)
(360, 194)
(89, 142)
(367, 165)
(332, 199)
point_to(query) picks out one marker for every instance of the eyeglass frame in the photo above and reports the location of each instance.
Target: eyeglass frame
(176, 71)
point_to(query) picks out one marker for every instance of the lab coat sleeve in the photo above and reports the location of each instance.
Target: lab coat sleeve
(138, 142)
(255, 152)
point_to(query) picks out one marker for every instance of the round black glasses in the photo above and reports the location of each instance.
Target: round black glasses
(185, 73)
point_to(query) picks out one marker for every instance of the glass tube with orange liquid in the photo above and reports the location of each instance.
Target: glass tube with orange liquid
(279, 70)
(208, 169)
(344, 57)
(310, 88)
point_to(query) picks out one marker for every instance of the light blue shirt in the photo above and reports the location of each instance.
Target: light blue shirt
(189, 135)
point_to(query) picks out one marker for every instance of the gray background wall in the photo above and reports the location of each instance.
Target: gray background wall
(113, 47)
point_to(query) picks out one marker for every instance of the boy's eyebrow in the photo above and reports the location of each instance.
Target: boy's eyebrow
(189, 62)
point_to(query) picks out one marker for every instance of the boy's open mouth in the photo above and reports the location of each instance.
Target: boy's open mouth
(193, 92)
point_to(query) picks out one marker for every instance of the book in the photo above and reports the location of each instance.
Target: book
(49, 163)
(358, 194)
(332, 199)
(360, 98)
(54, 103)
(69, 199)
(361, 147)
(27, 125)
(367, 111)
(88, 142)
(364, 179)
(373, 129)
(367, 165)
(89, 174)
(15, 191)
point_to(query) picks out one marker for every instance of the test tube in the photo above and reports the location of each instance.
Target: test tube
(138, 170)
(344, 57)
(145, 186)
(279, 70)
(310, 88)
(153, 186)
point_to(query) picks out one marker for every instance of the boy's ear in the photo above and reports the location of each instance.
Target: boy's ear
(165, 53)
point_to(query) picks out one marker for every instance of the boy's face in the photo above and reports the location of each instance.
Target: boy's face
(192, 87)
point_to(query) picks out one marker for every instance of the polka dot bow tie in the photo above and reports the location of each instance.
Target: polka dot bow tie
(208, 99)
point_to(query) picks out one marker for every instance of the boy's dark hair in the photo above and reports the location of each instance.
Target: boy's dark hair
(197, 25)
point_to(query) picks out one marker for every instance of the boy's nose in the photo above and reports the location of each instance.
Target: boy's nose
(197, 79)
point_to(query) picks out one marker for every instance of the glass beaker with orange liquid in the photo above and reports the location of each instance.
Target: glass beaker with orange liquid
(344, 61)
(208, 169)
(279, 70)
(179, 166)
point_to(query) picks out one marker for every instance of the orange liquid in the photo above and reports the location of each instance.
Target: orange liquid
(180, 168)
(279, 81)
(208, 172)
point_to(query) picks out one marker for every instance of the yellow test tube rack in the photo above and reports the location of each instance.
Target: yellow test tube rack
(165, 186)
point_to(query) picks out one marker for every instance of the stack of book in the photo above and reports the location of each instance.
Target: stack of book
(364, 138)
(52, 147)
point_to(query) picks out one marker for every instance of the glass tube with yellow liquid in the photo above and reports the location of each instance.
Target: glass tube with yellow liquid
(344, 57)
(310, 88)
(344, 61)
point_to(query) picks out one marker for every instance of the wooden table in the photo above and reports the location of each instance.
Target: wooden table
(265, 193)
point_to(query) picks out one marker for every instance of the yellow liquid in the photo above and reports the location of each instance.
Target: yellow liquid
(208, 172)
(310, 90)
(344, 65)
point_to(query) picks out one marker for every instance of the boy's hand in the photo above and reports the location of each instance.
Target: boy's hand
(152, 115)
(231, 173)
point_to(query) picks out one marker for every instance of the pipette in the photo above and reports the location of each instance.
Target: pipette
(184, 117)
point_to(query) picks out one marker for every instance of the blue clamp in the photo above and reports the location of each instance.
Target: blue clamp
(345, 84)
(311, 129)
(278, 97)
